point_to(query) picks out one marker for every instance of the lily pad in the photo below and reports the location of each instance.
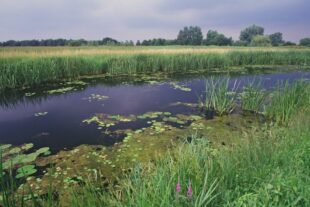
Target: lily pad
(25, 171)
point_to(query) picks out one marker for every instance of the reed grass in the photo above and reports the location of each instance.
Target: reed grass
(25, 67)
(220, 96)
(253, 97)
(287, 99)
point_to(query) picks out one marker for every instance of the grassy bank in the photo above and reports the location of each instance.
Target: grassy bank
(267, 166)
(23, 67)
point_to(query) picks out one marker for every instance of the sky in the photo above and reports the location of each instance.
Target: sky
(146, 19)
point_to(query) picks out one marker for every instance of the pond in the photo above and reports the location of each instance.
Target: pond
(59, 116)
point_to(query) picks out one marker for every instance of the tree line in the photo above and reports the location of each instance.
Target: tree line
(251, 36)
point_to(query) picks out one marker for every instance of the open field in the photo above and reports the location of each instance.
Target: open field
(24, 67)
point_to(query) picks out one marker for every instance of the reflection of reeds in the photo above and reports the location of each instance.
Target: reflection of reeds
(220, 96)
(252, 97)
(32, 66)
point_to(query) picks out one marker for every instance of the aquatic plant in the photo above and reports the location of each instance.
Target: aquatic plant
(20, 69)
(220, 96)
(287, 99)
(252, 97)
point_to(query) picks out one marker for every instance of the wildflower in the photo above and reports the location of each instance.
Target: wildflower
(178, 186)
(189, 190)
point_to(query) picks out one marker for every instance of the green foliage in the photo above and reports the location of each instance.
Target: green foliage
(29, 71)
(214, 38)
(220, 97)
(276, 39)
(25, 171)
(248, 33)
(252, 97)
(190, 36)
(261, 40)
(287, 100)
(305, 42)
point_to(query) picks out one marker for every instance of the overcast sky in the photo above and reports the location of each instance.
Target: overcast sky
(145, 19)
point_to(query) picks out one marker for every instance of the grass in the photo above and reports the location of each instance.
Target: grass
(287, 99)
(24, 67)
(220, 97)
(252, 97)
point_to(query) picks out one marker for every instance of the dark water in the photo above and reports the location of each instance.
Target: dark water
(62, 127)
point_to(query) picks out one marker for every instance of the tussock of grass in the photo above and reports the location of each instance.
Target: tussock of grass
(220, 97)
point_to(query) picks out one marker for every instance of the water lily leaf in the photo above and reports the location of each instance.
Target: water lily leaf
(5, 146)
(25, 171)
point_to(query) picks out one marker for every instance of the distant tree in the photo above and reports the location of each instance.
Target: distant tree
(190, 36)
(108, 41)
(214, 38)
(305, 42)
(239, 43)
(248, 33)
(138, 43)
(75, 43)
(288, 43)
(261, 40)
(276, 39)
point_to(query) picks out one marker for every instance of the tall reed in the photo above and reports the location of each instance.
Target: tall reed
(252, 97)
(220, 96)
(287, 99)
(23, 71)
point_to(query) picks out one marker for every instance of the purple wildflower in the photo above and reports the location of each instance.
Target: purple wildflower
(189, 190)
(178, 186)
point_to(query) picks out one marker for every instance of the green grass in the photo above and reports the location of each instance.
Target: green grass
(220, 96)
(34, 69)
(252, 97)
(287, 99)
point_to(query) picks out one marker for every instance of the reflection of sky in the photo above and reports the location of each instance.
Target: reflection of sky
(66, 112)
(138, 19)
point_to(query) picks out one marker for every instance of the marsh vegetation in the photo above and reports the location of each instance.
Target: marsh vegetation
(166, 126)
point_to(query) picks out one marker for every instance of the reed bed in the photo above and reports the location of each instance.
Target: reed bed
(253, 97)
(33, 68)
(219, 96)
(287, 99)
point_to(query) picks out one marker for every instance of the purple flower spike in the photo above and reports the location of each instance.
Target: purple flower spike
(189, 191)
(178, 186)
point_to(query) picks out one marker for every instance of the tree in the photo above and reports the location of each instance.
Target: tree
(248, 33)
(138, 43)
(261, 40)
(305, 42)
(288, 43)
(276, 39)
(214, 38)
(108, 41)
(190, 36)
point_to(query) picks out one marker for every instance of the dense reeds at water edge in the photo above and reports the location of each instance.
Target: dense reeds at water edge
(31, 70)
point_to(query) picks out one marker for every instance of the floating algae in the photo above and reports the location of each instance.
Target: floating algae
(60, 90)
(96, 97)
(41, 114)
(180, 87)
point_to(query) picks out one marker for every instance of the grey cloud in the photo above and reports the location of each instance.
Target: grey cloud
(139, 19)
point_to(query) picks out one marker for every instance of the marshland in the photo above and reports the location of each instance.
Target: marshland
(199, 120)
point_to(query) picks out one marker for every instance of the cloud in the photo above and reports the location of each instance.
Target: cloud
(140, 19)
